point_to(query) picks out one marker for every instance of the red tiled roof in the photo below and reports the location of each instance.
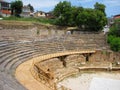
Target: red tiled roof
(5, 11)
(4, 1)
(117, 16)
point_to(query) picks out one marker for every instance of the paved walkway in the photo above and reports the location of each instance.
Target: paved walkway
(49, 56)
(25, 77)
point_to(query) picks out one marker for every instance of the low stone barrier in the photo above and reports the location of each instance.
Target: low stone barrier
(98, 68)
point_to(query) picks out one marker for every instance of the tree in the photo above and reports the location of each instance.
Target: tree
(31, 8)
(75, 11)
(91, 19)
(16, 7)
(88, 19)
(62, 12)
(100, 7)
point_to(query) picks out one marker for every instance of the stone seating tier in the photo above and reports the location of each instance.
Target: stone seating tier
(13, 53)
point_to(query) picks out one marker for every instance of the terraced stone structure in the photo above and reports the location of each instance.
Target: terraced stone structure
(52, 71)
(19, 45)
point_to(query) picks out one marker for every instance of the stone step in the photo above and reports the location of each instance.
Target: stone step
(4, 53)
(12, 62)
(11, 82)
(5, 47)
(14, 56)
(23, 59)
(12, 53)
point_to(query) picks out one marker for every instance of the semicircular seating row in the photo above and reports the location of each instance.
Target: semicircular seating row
(14, 53)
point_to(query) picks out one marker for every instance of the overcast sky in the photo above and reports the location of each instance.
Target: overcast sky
(112, 6)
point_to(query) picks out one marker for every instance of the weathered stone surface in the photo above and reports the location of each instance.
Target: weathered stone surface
(21, 43)
(1, 28)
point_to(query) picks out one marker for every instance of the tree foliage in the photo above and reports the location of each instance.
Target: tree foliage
(114, 42)
(100, 7)
(115, 29)
(31, 8)
(62, 12)
(87, 19)
(16, 7)
(114, 36)
(75, 11)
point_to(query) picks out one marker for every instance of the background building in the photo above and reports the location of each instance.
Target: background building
(5, 10)
(26, 11)
(40, 14)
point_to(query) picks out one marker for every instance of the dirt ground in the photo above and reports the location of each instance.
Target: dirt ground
(83, 81)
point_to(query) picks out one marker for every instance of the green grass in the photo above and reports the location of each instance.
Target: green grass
(31, 19)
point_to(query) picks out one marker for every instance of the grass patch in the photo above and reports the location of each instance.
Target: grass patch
(31, 19)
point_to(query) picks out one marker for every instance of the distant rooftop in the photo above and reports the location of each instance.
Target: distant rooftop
(4, 1)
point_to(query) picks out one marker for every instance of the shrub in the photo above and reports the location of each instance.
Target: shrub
(114, 36)
(115, 30)
(114, 42)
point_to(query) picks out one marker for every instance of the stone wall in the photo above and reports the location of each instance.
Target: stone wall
(27, 25)
(52, 64)
(103, 55)
(73, 62)
(99, 61)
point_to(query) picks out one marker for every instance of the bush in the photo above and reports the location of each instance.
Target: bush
(109, 38)
(115, 30)
(114, 42)
(114, 36)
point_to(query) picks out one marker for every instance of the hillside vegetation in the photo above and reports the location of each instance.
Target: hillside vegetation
(31, 19)
(114, 36)
(90, 19)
